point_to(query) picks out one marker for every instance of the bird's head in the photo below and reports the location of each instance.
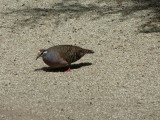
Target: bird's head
(41, 53)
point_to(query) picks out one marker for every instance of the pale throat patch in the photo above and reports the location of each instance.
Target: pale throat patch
(45, 52)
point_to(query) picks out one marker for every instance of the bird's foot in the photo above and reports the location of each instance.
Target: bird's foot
(69, 69)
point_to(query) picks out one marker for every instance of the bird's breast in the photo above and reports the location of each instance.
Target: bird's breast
(52, 60)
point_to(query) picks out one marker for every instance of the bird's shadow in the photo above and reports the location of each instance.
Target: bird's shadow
(63, 69)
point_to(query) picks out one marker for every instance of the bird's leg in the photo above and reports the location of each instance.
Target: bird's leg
(69, 69)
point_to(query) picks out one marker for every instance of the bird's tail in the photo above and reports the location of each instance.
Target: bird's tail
(88, 51)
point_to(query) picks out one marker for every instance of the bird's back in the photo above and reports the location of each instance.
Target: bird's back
(68, 52)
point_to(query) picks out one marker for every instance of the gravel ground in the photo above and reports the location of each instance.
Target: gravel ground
(120, 81)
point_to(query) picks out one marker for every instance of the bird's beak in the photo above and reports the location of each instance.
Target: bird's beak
(39, 55)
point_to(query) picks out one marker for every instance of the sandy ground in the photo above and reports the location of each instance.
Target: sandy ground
(120, 81)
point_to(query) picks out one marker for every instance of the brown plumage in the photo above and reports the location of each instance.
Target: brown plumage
(62, 55)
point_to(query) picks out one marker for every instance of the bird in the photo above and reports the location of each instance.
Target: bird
(62, 55)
